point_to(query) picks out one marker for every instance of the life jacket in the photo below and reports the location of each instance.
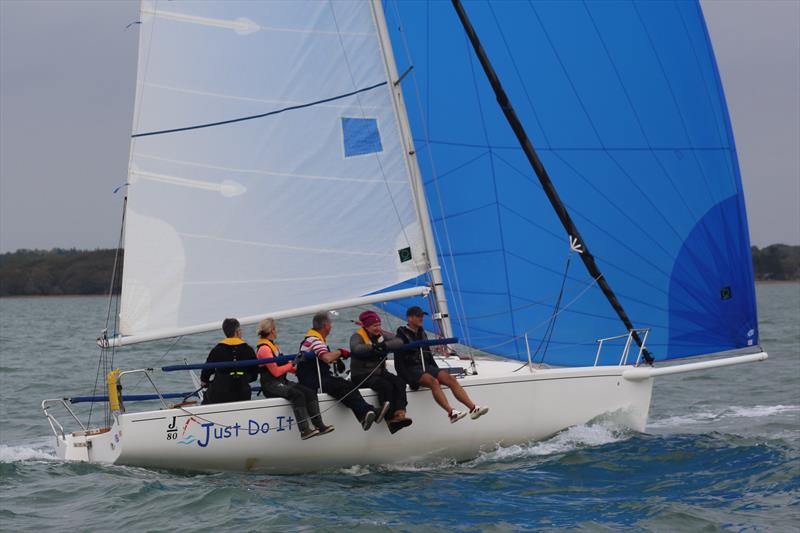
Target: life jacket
(234, 341)
(360, 366)
(364, 335)
(265, 373)
(410, 358)
(307, 368)
(272, 346)
(229, 384)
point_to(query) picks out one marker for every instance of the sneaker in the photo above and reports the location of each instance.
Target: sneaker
(324, 430)
(382, 413)
(369, 418)
(478, 412)
(455, 416)
(307, 434)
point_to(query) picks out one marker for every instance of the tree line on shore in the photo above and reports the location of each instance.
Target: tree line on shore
(88, 272)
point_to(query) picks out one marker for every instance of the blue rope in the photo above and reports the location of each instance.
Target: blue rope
(287, 358)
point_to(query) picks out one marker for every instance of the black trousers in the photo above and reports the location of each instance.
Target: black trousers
(227, 390)
(389, 387)
(344, 390)
(305, 403)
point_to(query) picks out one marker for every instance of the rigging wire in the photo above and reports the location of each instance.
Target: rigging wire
(103, 361)
(450, 275)
(376, 155)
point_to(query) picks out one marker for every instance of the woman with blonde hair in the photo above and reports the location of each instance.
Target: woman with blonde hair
(275, 385)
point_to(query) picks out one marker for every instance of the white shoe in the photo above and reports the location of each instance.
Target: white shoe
(478, 412)
(455, 416)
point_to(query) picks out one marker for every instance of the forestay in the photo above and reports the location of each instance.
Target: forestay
(309, 204)
(624, 105)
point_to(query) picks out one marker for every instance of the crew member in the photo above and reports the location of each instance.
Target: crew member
(417, 368)
(369, 347)
(229, 384)
(315, 373)
(275, 385)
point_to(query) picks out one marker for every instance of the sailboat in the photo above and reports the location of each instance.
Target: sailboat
(556, 181)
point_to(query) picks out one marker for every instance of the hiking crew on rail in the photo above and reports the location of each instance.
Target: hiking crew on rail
(274, 384)
(229, 385)
(370, 346)
(316, 373)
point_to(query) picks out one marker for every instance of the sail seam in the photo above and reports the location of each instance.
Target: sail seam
(284, 246)
(451, 273)
(496, 193)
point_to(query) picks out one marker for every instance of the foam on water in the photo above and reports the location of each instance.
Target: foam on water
(576, 437)
(701, 417)
(26, 452)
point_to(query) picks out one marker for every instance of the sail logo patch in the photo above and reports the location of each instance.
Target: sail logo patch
(360, 136)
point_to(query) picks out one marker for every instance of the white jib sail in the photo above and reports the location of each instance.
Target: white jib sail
(306, 205)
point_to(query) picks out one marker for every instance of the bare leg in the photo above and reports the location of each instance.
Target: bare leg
(438, 394)
(458, 391)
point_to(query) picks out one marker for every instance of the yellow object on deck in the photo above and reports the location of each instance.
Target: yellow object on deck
(113, 392)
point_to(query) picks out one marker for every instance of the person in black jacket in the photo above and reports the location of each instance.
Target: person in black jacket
(368, 349)
(229, 384)
(417, 368)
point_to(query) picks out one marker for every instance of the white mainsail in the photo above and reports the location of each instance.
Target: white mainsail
(309, 205)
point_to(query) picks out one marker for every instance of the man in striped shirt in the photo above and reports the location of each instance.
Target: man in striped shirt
(315, 373)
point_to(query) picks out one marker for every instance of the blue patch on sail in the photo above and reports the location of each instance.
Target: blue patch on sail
(361, 136)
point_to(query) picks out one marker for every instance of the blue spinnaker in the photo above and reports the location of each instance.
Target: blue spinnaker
(624, 105)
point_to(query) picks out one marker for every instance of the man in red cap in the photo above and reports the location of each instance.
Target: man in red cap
(418, 368)
(368, 349)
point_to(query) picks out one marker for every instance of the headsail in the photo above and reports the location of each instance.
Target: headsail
(625, 107)
(266, 168)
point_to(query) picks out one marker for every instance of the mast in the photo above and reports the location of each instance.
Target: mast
(541, 173)
(442, 315)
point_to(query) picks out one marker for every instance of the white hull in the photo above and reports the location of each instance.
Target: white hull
(524, 406)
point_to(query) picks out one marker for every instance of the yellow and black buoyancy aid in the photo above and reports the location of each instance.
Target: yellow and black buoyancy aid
(307, 368)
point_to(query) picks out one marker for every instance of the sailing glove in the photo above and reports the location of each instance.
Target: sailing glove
(380, 349)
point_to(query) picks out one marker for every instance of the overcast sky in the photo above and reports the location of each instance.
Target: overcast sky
(67, 74)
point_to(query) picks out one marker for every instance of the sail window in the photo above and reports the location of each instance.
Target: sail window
(405, 254)
(361, 136)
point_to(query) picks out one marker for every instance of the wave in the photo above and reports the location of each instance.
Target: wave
(594, 434)
(701, 417)
(573, 438)
(26, 452)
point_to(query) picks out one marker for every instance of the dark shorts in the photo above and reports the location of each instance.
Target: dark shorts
(414, 373)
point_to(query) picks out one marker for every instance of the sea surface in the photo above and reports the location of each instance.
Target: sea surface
(721, 453)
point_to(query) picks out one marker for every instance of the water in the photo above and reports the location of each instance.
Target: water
(721, 452)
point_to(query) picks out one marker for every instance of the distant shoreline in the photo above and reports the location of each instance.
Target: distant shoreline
(59, 272)
(34, 296)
